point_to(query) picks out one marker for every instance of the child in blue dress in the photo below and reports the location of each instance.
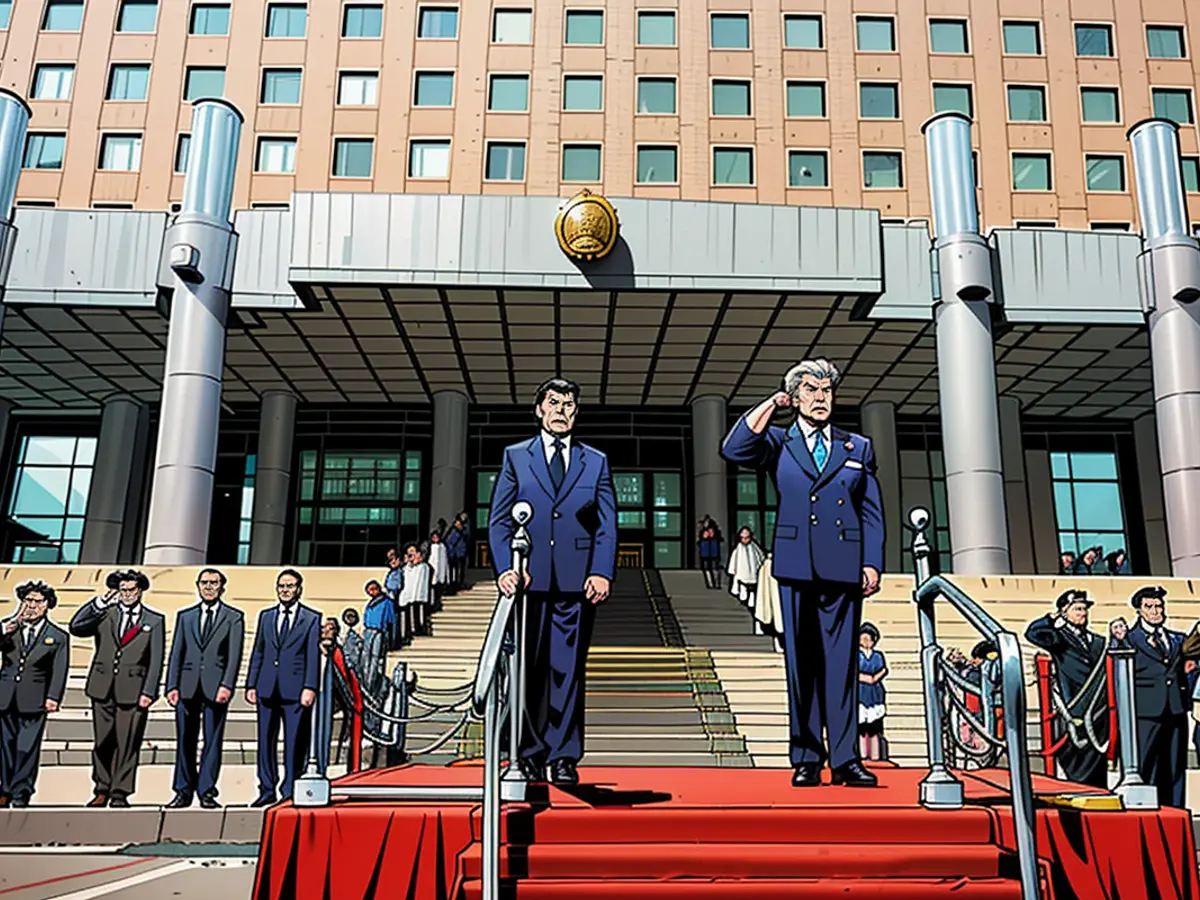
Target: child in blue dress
(872, 669)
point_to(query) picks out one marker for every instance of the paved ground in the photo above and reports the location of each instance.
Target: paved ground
(60, 876)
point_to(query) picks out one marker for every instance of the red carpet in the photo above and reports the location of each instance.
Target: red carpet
(720, 833)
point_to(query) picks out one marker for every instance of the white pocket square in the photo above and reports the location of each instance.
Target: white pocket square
(853, 464)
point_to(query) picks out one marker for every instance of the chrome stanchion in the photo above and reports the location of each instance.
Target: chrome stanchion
(1134, 793)
(312, 788)
(513, 783)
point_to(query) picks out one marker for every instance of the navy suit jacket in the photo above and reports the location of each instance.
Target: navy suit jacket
(574, 529)
(202, 667)
(1159, 684)
(830, 523)
(283, 671)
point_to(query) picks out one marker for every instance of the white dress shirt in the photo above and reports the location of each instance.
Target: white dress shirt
(416, 584)
(548, 440)
(283, 611)
(205, 613)
(31, 631)
(130, 616)
(811, 433)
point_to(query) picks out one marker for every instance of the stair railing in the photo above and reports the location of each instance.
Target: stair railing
(941, 789)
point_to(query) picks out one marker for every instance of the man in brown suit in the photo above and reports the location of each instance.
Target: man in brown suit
(123, 680)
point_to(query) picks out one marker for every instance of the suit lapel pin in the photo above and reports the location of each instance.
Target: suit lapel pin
(49, 640)
(849, 445)
(145, 628)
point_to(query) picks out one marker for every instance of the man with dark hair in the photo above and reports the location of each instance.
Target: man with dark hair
(574, 537)
(33, 679)
(282, 683)
(206, 650)
(456, 552)
(123, 681)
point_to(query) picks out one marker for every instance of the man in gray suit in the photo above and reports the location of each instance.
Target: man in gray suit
(33, 678)
(206, 650)
(123, 680)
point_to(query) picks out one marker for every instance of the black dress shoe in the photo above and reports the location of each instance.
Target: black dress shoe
(181, 800)
(19, 802)
(263, 800)
(807, 775)
(852, 774)
(562, 771)
(208, 802)
(118, 803)
(532, 771)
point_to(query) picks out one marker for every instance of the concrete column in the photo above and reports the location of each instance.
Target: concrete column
(1039, 481)
(879, 424)
(272, 478)
(122, 424)
(1169, 270)
(447, 497)
(966, 355)
(710, 421)
(14, 121)
(1016, 491)
(1150, 483)
(201, 246)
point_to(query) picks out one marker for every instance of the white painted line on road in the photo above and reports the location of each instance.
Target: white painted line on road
(71, 849)
(121, 884)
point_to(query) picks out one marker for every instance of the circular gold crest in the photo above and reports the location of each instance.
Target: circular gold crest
(586, 226)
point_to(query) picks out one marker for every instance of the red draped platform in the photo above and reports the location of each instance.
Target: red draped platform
(730, 833)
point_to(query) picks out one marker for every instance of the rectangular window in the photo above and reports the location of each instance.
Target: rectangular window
(1191, 174)
(879, 101)
(183, 146)
(1087, 503)
(281, 86)
(1173, 104)
(733, 165)
(1105, 173)
(352, 157)
(656, 96)
(1093, 40)
(808, 168)
(512, 26)
(656, 28)
(1109, 226)
(203, 82)
(128, 82)
(585, 26)
(505, 162)
(583, 93)
(286, 20)
(429, 159)
(1165, 42)
(438, 23)
(358, 89)
(1026, 103)
(277, 156)
(1100, 104)
(5, 13)
(947, 36)
(882, 170)
(730, 98)
(49, 498)
(1031, 172)
(953, 98)
(581, 162)
(803, 33)
(138, 16)
(434, 89)
(121, 152)
(210, 18)
(53, 82)
(806, 99)
(508, 93)
(876, 34)
(1035, 223)
(1022, 38)
(729, 31)
(657, 165)
(63, 15)
(44, 151)
(247, 517)
(362, 21)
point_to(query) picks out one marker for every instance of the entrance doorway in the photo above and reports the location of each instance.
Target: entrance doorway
(649, 519)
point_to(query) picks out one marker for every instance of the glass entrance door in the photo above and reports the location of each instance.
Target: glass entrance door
(649, 519)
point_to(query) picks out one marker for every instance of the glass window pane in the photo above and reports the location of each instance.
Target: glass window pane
(656, 29)
(485, 482)
(509, 93)
(429, 159)
(580, 163)
(657, 165)
(656, 96)
(667, 555)
(512, 26)
(41, 491)
(206, 82)
(937, 464)
(631, 518)
(1164, 41)
(434, 89)
(63, 15)
(876, 34)
(131, 82)
(806, 99)
(952, 98)
(55, 451)
(1105, 173)
(585, 26)
(1099, 104)
(583, 92)
(44, 151)
(362, 21)
(482, 518)
(1022, 38)
(81, 483)
(668, 524)
(733, 166)
(1026, 104)
(768, 536)
(666, 489)
(5, 12)
(808, 169)
(73, 530)
(438, 22)
(85, 451)
(1175, 105)
(410, 515)
(53, 82)
(352, 157)
(138, 16)
(1064, 507)
(730, 31)
(1098, 506)
(412, 461)
(1031, 172)
(941, 514)
(882, 170)
(358, 89)
(210, 18)
(281, 86)
(505, 162)
(277, 155)
(878, 101)
(1191, 174)
(747, 489)
(1094, 466)
(46, 528)
(628, 488)
(1093, 40)
(1060, 466)
(286, 20)
(731, 98)
(948, 36)
(802, 32)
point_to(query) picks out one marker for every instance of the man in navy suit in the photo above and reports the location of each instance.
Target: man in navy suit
(202, 671)
(282, 682)
(574, 549)
(828, 556)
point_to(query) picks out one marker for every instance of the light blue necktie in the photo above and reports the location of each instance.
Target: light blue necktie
(819, 453)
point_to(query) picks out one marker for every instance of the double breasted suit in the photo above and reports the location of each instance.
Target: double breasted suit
(199, 666)
(126, 666)
(828, 527)
(1161, 700)
(32, 672)
(573, 534)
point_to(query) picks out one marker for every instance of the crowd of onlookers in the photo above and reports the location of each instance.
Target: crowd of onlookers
(1094, 561)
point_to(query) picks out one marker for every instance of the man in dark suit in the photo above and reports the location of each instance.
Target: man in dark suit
(574, 550)
(202, 671)
(282, 682)
(32, 681)
(123, 681)
(827, 557)
(1076, 652)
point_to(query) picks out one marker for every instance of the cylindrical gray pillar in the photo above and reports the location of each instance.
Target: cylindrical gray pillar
(201, 245)
(1154, 516)
(1170, 284)
(879, 424)
(122, 425)
(1016, 489)
(966, 356)
(14, 122)
(272, 478)
(447, 496)
(6, 408)
(710, 421)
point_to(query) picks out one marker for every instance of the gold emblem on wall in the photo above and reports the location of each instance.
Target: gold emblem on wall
(586, 226)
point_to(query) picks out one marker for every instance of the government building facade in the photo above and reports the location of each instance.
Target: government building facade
(280, 280)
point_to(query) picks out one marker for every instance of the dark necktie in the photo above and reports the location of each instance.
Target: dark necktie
(127, 624)
(1158, 643)
(558, 466)
(206, 630)
(287, 624)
